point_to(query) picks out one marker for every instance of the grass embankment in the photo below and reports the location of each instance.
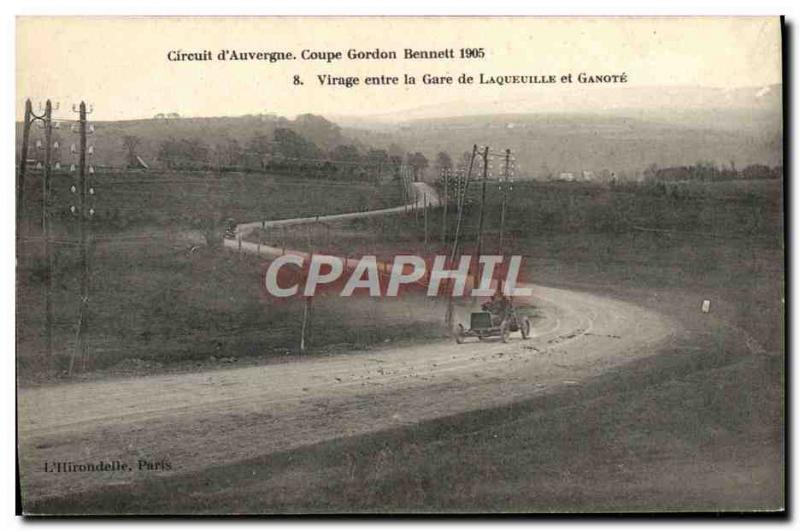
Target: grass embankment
(697, 426)
(158, 294)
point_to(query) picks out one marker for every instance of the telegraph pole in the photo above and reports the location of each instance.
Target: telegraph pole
(425, 217)
(306, 299)
(460, 200)
(483, 198)
(413, 191)
(446, 176)
(461, 203)
(23, 163)
(403, 188)
(505, 185)
(84, 213)
(48, 252)
(47, 120)
(48, 134)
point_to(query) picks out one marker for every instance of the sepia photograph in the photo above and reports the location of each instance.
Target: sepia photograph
(400, 265)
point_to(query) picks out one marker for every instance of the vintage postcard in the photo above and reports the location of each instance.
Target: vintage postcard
(393, 265)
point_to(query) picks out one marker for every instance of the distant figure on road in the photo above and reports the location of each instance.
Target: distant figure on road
(230, 229)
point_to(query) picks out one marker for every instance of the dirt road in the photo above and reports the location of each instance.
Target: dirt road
(195, 421)
(424, 194)
(204, 419)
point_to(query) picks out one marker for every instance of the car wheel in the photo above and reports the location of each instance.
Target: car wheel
(526, 328)
(460, 334)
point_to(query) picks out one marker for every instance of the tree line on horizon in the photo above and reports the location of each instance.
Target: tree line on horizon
(284, 152)
(706, 171)
(288, 152)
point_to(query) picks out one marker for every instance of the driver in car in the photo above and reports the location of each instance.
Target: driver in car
(499, 306)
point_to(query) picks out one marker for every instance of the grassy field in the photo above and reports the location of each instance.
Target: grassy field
(159, 295)
(720, 241)
(699, 425)
(696, 426)
(177, 199)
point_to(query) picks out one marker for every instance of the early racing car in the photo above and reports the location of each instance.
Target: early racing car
(499, 318)
(230, 229)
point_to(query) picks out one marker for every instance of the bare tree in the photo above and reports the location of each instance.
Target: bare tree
(418, 164)
(443, 161)
(130, 143)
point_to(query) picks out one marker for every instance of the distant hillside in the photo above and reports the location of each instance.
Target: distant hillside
(621, 130)
(109, 136)
(634, 101)
(616, 128)
(564, 142)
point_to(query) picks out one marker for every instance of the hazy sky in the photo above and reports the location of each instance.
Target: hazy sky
(120, 64)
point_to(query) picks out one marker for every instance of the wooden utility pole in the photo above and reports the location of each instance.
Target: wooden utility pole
(446, 175)
(425, 216)
(306, 300)
(46, 228)
(448, 318)
(23, 163)
(84, 212)
(412, 190)
(47, 120)
(506, 185)
(306, 304)
(461, 201)
(483, 199)
(403, 187)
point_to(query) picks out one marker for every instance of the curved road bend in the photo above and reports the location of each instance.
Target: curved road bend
(205, 419)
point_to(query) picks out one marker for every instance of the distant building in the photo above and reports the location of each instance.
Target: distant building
(566, 176)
